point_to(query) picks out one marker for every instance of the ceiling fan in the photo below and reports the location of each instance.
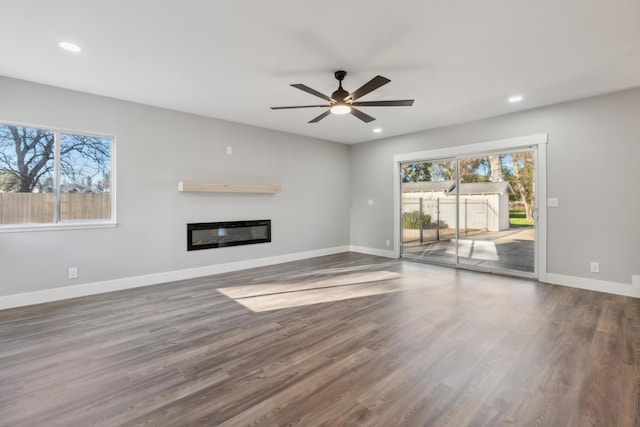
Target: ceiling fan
(343, 102)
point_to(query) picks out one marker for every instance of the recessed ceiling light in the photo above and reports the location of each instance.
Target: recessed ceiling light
(515, 98)
(70, 47)
(377, 130)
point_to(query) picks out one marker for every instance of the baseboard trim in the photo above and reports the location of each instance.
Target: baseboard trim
(94, 288)
(86, 289)
(629, 290)
(372, 251)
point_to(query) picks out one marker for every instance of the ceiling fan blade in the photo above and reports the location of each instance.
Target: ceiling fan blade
(362, 116)
(320, 117)
(307, 89)
(300, 106)
(369, 86)
(398, 103)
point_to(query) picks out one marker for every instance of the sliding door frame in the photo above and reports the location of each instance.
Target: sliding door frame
(538, 142)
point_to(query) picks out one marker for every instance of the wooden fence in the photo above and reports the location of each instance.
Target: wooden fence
(25, 208)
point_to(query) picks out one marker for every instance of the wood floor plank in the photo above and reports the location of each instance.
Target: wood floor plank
(346, 339)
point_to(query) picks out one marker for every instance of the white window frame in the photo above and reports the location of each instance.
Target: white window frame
(69, 224)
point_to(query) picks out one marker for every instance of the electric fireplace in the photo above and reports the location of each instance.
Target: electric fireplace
(207, 235)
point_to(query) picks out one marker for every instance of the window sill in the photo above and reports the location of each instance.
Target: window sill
(77, 225)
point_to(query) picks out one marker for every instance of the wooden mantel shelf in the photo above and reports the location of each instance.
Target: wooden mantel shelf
(207, 187)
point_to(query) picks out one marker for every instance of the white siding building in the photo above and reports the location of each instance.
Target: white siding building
(483, 205)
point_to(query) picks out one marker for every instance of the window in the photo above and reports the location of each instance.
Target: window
(52, 177)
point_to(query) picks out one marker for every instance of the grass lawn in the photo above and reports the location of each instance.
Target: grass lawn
(518, 217)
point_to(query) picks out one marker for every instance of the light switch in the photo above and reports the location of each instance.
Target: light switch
(553, 202)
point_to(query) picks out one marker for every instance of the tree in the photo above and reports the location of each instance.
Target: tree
(444, 170)
(27, 155)
(416, 172)
(495, 165)
(523, 180)
(471, 169)
(8, 182)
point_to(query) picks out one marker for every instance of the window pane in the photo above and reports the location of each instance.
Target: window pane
(26, 175)
(85, 177)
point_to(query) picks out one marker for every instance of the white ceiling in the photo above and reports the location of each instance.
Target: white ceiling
(233, 59)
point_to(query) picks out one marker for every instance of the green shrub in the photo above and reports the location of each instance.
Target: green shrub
(412, 220)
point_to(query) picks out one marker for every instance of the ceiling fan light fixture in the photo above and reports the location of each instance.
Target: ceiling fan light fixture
(340, 109)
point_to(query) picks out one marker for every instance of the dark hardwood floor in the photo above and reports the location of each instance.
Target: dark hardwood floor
(347, 339)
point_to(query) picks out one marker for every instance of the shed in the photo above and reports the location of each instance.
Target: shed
(483, 205)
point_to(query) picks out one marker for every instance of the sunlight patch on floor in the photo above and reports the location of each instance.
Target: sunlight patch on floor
(475, 249)
(276, 296)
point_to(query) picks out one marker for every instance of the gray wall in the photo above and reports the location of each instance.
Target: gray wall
(593, 167)
(156, 148)
(593, 151)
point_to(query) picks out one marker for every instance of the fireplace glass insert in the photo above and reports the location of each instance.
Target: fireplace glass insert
(206, 235)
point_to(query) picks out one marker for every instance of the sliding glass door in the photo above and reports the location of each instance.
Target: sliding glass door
(429, 218)
(471, 211)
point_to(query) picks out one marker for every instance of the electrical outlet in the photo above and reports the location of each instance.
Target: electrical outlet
(72, 272)
(370, 202)
(595, 267)
(388, 243)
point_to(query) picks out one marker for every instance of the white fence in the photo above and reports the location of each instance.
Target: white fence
(476, 213)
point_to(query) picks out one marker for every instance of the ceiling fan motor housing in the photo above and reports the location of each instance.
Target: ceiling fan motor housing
(340, 94)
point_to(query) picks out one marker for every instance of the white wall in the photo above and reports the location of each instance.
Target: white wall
(592, 167)
(156, 148)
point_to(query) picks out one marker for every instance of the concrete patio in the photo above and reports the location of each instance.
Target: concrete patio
(511, 249)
